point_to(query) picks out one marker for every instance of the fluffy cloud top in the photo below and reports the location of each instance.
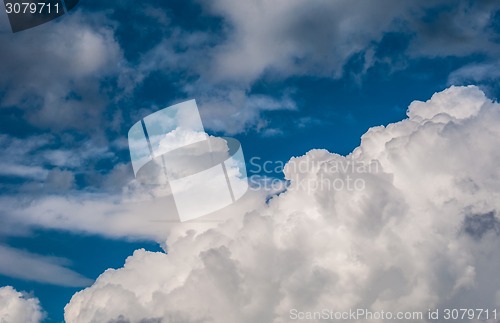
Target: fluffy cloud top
(16, 307)
(421, 232)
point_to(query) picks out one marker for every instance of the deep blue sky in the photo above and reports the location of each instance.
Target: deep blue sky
(333, 105)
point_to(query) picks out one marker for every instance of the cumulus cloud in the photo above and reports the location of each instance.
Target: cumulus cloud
(16, 307)
(421, 232)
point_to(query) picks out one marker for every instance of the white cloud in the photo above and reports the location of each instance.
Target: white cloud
(18, 156)
(16, 307)
(273, 39)
(54, 71)
(456, 29)
(225, 105)
(46, 169)
(422, 233)
(233, 110)
(44, 269)
(485, 74)
(34, 172)
(281, 38)
(289, 38)
(297, 37)
(137, 212)
(276, 40)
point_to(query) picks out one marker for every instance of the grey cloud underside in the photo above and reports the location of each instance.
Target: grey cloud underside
(122, 319)
(479, 225)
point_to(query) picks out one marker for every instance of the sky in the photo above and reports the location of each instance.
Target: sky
(408, 86)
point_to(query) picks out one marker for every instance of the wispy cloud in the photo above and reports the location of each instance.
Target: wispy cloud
(25, 265)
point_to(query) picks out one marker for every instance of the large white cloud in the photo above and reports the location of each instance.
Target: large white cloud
(421, 232)
(16, 307)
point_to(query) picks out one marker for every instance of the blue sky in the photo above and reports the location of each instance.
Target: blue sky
(282, 78)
